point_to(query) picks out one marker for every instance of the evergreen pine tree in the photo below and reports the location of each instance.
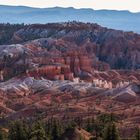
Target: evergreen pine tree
(38, 132)
(56, 132)
(138, 133)
(48, 129)
(1, 135)
(18, 131)
(111, 132)
(89, 126)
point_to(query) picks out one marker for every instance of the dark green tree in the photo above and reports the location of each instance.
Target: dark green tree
(18, 130)
(56, 130)
(137, 133)
(90, 125)
(38, 132)
(111, 132)
(1, 135)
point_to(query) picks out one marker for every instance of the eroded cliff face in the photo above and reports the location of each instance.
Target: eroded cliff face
(70, 51)
(119, 49)
(59, 59)
(73, 69)
(80, 48)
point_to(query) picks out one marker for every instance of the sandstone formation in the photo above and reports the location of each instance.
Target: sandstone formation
(119, 49)
(69, 70)
(26, 97)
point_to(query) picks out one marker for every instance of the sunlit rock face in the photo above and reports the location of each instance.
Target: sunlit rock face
(25, 97)
(58, 60)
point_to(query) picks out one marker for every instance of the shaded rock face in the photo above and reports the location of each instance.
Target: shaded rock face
(136, 88)
(119, 49)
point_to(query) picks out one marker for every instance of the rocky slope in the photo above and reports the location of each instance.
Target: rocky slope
(69, 70)
(119, 49)
(29, 97)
